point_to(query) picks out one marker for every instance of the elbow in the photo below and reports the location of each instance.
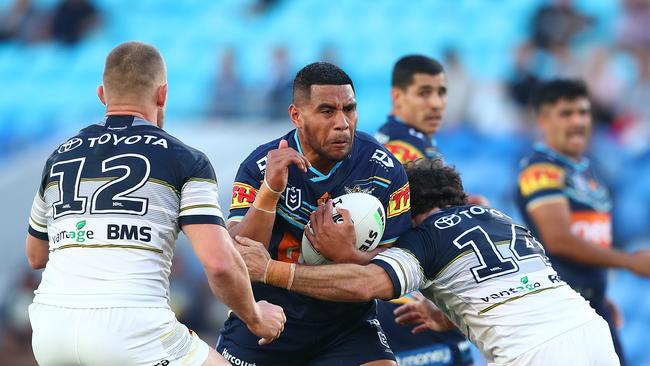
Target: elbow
(36, 262)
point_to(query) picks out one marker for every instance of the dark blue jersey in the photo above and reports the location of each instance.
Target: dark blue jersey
(368, 168)
(406, 142)
(546, 176)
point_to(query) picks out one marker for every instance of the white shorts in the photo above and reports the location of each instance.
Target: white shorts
(587, 345)
(112, 336)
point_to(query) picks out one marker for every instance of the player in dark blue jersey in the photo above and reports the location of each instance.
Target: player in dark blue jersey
(104, 222)
(565, 203)
(489, 275)
(419, 100)
(277, 188)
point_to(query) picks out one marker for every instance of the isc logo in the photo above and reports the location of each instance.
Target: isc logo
(128, 232)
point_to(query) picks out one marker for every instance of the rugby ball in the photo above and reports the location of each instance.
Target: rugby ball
(367, 214)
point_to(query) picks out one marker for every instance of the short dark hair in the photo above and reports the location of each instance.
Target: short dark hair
(551, 91)
(410, 65)
(434, 184)
(317, 73)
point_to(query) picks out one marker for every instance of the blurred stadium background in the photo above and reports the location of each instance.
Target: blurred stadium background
(230, 66)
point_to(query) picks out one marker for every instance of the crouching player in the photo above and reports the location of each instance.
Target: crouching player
(489, 275)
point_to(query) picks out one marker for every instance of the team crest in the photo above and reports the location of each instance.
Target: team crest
(357, 189)
(293, 198)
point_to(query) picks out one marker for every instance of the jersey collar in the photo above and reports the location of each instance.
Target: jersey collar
(581, 165)
(121, 122)
(318, 175)
(396, 120)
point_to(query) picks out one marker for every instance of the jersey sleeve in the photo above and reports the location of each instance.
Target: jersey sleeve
(398, 207)
(244, 190)
(199, 196)
(37, 216)
(402, 265)
(541, 182)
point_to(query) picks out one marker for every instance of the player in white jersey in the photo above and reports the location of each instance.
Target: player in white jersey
(104, 222)
(489, 275)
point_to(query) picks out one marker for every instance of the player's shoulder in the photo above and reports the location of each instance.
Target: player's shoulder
(541, 157)
(367, 148)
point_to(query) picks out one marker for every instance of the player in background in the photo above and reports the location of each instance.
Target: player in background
(104, 223)
(419, 100)
(489, 275)
(566, 205)
(277, 188)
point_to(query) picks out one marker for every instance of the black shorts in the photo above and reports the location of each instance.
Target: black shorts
(427, 348)
(337, 343)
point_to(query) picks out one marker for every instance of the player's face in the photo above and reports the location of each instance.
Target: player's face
(327, 122)
(567, 126)
(423, 102)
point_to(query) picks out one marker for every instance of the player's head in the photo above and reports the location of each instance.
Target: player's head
(324, 110)
(433, 185)
(135, 76)
(564, 114)
(419, 92)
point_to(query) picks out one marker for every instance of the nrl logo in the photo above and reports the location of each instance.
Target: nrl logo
(357, 189)
(293, 198)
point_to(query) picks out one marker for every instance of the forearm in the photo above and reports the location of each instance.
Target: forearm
(339, 282)
(233, 288)
(576, 249)
(256, 224)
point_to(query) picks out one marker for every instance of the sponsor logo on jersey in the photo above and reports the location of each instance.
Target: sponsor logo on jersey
(261, 164)
(293, 198)
(243, 195)
(113, 139)
(437, 355)
(381, 157)
(79, 235)
(400, 201)
(128, 232)
(594, 227)
(525, 286)
(403, 151)
(541, 176)
(448, 221)
(70, 145)
(324, 198)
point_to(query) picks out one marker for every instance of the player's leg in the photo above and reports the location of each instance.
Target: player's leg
(215, 359)
(380, 363)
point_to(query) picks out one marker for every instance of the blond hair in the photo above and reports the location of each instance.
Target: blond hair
(133, 69)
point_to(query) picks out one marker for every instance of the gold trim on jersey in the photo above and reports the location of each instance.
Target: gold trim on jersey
(164, 184)
(491, 307)
(124, 246)
(199, 206)
(38, 223)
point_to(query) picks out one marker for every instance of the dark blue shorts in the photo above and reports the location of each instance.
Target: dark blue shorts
(427, 348)
(338, 343)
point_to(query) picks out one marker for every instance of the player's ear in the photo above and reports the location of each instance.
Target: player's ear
(395, 95)
(161, 95)
(100, 94)
(294, 114)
